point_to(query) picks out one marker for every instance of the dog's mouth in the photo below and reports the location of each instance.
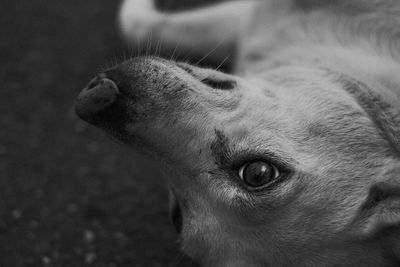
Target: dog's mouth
(133, 93)
(102, 100)
(176, 217)
(176, 214)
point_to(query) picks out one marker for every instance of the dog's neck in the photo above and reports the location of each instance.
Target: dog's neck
(361, 43)
(360, 37)
(377, 71)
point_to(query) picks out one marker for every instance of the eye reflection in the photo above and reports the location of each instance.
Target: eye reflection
(258, 174)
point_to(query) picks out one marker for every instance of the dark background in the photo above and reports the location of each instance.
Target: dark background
(69, 196)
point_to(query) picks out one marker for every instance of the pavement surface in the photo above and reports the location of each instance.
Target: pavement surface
(69, 196)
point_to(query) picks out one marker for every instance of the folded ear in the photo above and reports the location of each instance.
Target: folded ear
(381, 208)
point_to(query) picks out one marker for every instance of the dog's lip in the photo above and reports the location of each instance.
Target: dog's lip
(177, 218)
(175, 210)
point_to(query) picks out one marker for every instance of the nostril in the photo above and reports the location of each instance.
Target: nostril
(99, 79)
(93, 83)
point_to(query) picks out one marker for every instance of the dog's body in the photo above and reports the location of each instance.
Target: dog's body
(295, 161)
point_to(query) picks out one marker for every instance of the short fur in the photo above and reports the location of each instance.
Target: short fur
(315, 91)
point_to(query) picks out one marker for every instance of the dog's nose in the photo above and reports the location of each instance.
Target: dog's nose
(100, 93)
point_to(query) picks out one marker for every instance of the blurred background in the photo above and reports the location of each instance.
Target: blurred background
(69, 196)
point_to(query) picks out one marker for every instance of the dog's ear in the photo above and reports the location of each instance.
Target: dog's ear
(381, 208)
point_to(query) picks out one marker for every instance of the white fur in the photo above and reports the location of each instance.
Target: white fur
(318, 87)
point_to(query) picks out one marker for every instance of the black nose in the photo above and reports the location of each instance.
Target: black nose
(100, 93)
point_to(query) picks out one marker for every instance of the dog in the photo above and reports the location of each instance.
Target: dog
(293, 158)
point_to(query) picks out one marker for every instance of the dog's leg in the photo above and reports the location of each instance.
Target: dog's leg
(208, 34)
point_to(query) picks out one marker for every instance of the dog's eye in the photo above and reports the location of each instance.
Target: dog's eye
(258, 174)
(219, 84)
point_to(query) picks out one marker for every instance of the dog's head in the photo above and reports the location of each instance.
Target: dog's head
(296, 167)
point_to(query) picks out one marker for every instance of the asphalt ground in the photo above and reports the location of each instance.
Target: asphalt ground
(69, 196)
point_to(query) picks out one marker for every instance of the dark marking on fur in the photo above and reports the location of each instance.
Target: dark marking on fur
(380, 112)
(388, 189)
(185, 67)
(380, 192)
(220, 149)
(219, 84)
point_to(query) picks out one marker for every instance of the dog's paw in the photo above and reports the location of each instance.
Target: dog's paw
(137, 18)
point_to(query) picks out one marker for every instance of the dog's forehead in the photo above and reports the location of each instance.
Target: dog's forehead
(297, 97)
(294, 110)
(308, 95)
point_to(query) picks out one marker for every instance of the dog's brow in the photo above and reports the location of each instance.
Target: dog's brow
(220, 148)
(224, 154)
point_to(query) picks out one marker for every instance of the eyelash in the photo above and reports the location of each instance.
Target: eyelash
(246, 157)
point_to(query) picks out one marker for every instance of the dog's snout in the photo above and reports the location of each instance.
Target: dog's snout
(100, 93)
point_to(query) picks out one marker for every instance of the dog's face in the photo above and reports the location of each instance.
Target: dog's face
(262, 172)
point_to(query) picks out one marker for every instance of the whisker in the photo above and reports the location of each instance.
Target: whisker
(178, 43)
(211, 51)
(178, 259)
(223, 61)
(159, 42)
(138, 52)
(149, 43)
(157, 51)
(131, 54)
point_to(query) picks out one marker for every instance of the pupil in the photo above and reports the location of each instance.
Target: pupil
(257, 173)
